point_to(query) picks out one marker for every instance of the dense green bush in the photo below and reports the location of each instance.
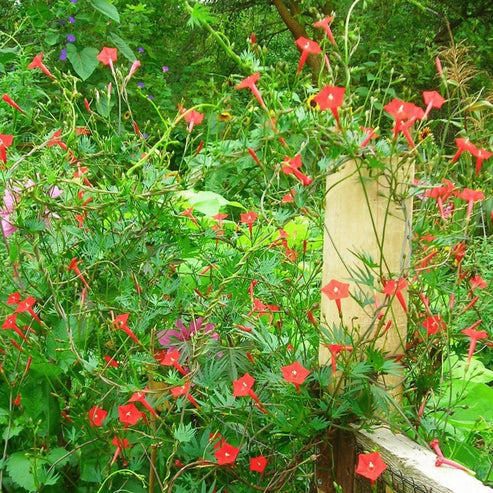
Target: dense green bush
(162, 264)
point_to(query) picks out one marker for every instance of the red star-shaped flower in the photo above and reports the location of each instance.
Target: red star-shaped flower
(433, 324)
(394, 288)
(121, 323)
(5, 141)
(243, 387)
(38, 63)
(474, 335)
(432, 99)
(183, 390)
(250, 83)
(129, 414)
(226, 454)
(257, 464)
(336, 290)
(171, 358)
(97, 415)
(307, 47)
(331, 98)
(248, 218)
(107, 56)
(295, 374)
(335, 349)
(325, 25)
(370, 466)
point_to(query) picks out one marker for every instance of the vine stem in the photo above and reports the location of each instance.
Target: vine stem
(220, 40)
(125, 472)
(346, 41)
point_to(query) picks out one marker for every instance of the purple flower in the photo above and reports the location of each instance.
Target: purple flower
(73, 1)
(6, 226)
(165, 68)
(140, 84)
(70, 38)
(140, 49)
(151, 97)
(63, 55)
(71, 20)
(166, 337)
(54, 192)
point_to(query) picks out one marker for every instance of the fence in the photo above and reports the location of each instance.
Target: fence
(372, 217)
(411, 467)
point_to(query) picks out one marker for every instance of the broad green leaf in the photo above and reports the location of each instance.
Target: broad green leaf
(474, 409)
(45, 369)
(90, 467)
(19, 469)
(33, 398)
(55, 456)
(4, 416)
(52, 37)
(474, 372)
(107, 9)
(103, 107)
(8, 54)
(123, 47)
(10, 432)
(297, 229)
(84, 62)
(208, 203)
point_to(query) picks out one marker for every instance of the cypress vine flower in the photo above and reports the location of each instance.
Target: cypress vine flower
(335, 349)
(258, 464)
(243, 387)
(295, 374)
(474, 336)
(325, 25)
(38, 63)
(330, 98)
(97, 415)
(370, 466)
(249, 83)
(432, 99)
(129, 414)
(336, 291)
(121, 323)
(307, 47)
(5, 141)
(11, 102)
(226, 454)
(471, 196)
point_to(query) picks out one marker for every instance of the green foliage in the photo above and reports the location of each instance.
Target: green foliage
(19, 468)
(141, 229)
(106, 8)
(84, 62)
(200, 14)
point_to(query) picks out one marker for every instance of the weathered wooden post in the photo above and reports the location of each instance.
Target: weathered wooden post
(367, 215)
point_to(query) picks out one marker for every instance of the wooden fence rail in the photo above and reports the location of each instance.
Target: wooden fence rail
(416, 464)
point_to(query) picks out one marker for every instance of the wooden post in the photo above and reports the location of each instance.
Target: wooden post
(367, 215)
(336, 462)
